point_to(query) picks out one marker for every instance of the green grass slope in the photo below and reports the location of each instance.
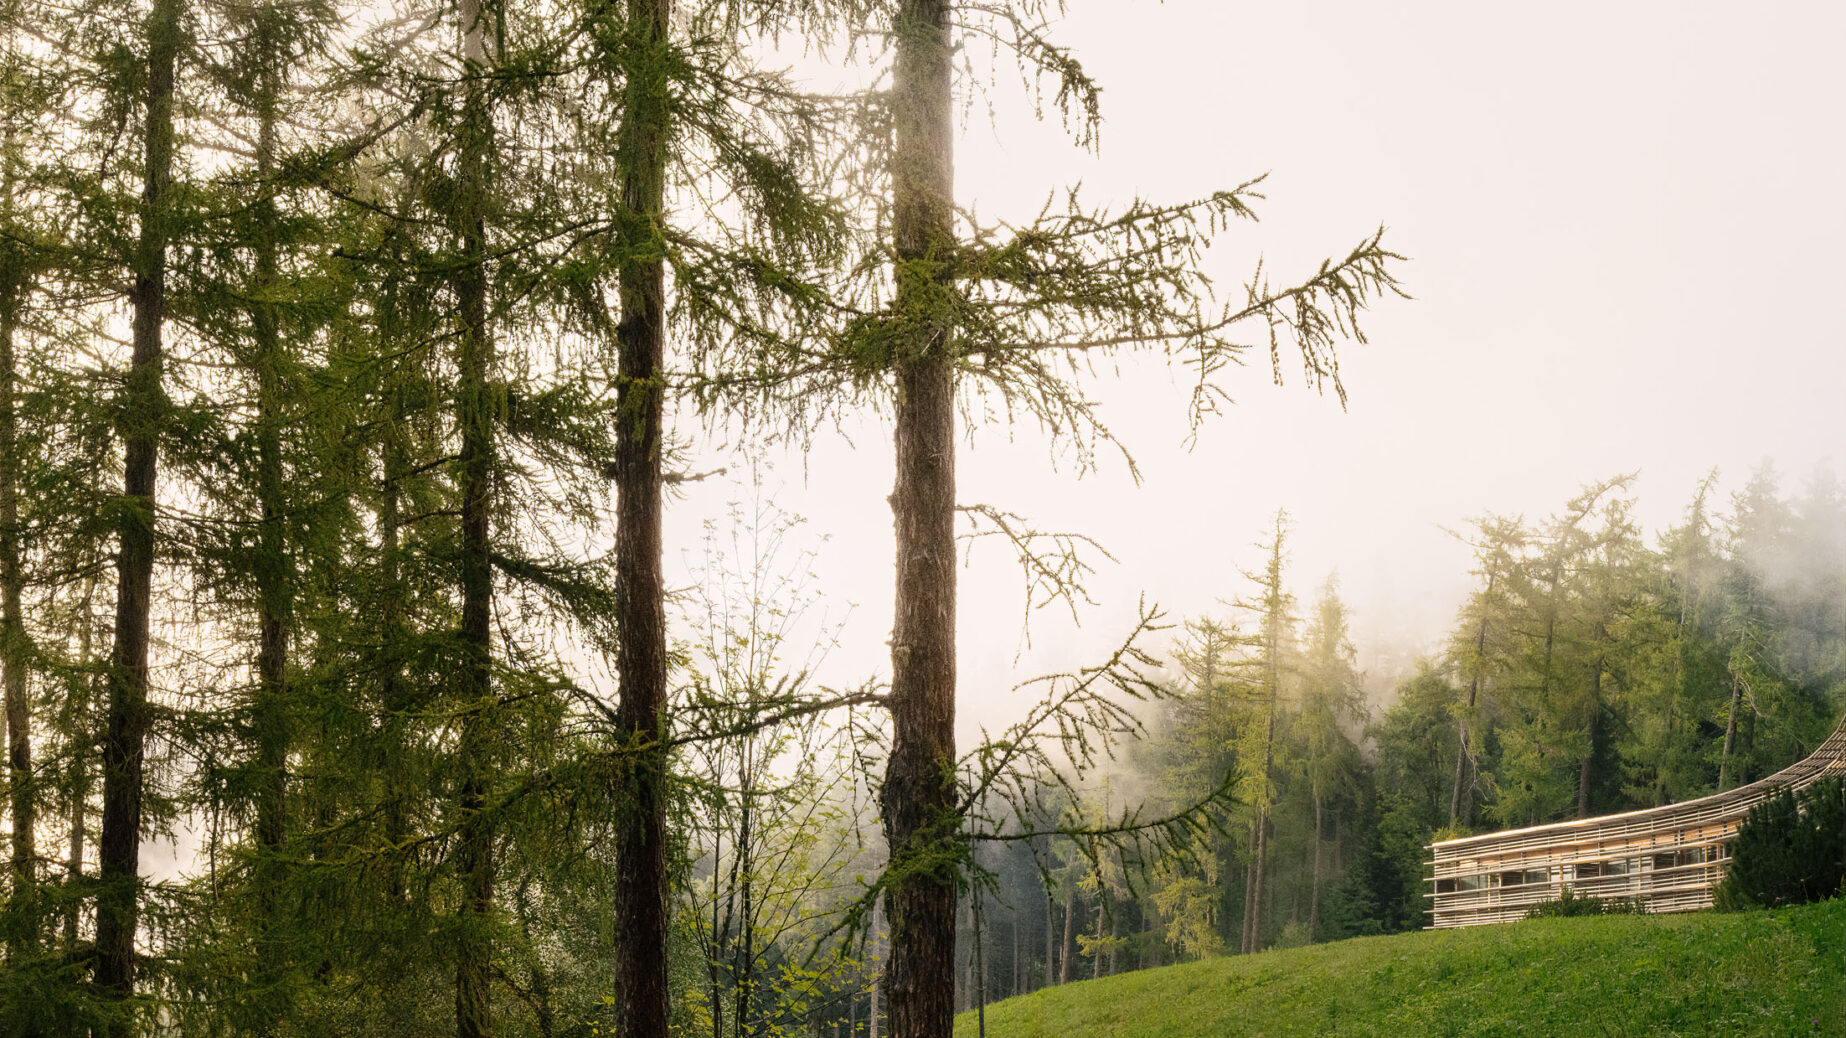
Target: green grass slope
(1756, 973)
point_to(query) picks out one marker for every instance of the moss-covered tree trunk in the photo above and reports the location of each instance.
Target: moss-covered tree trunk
(1459, 807)
(23, 801)
(919, 785)
(125, 726)
(272, 583)
(641, 656)
(474, 413)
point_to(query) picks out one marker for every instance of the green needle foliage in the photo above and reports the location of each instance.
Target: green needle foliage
(1789, 851)
(349, 356)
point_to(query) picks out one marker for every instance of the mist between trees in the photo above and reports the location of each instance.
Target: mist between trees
(348, 356)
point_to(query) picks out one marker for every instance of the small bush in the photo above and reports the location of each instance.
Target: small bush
(1573, 904)
(1294, 935)
(1791, 849)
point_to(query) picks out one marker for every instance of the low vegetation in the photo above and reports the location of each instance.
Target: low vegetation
(1756, 973)
(1791, 850)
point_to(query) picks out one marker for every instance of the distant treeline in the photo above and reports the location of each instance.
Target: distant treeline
(1595, 668)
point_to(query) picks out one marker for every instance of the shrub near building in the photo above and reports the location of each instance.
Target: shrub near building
(1789, 851)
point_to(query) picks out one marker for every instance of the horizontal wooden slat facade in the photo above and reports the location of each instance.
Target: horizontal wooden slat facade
(1670, 857)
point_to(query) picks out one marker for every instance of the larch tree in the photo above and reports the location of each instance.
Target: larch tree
(1332, 704)
(16, 262)
(1690, 596)
(919, 794)
(1015, 311)
(641, 657)
(1479, 647)
(1261, 672)
(721, 229)
(475, 416)
(142, 406)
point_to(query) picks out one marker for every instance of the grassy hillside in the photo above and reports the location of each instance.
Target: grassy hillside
(1758, 973)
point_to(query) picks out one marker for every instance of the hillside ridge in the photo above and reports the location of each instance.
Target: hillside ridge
(1778, 973)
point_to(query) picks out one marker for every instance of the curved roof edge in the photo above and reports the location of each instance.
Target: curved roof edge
(1831, 750)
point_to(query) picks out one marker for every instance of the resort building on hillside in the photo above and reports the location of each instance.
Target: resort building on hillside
(1669, 857)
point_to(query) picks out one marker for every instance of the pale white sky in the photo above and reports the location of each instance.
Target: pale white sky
(1624, 221)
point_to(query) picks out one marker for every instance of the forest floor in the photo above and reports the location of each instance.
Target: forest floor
(1767, 973)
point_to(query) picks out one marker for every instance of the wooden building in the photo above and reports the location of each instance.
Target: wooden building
(1670, 857)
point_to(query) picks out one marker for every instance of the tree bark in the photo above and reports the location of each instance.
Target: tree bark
(1586, 771)
(79, 790)
(1014, 987)
(878, 972)
(1730, 734)
(125, 733)
(980, 967)
(744, 973)
(1744, 773)
(272, 583)
(1464, 757)
(1070, 940)
(475, 414)
(23, 802)
(1051, 930)
(919, 787)
(641, 657)
(1314, 895)
(1253, 898)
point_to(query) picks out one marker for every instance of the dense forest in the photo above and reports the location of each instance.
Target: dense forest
(1596, 668)
(349, 358)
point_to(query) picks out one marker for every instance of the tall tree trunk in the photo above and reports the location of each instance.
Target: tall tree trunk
(1115, 922)
(1249, 886)
(1102, 910)
(1745, 773)
(980, 967)
(1586, 772)
(714, 959)
(919, 785)
(272, 583)
(1253, 898)
(1464, 751)
(878, 971)
(641, 658)
(1730, 734)
(1070, 939)
(1275, 604)
(1051, 930)
(23, 802)
(391, 694)
(475, 415)
(1014, 988)
(1314, 896)
(745, 970)
(125, 732)
(79, 790)
(1253, 902)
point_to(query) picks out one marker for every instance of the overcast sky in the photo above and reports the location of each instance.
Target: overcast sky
(1625, 226)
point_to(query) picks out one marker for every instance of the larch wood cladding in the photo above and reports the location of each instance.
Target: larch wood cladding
(1670, 857)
